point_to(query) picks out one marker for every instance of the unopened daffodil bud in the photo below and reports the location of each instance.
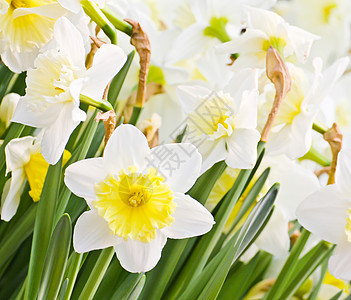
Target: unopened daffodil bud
(7, 108)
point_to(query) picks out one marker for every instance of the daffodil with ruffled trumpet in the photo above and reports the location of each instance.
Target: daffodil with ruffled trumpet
(136, 198)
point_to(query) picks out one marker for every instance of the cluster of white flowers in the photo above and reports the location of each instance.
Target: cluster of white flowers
(208, 90)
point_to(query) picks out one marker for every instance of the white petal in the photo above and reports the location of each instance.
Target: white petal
(11, 196)
(340, 262)
(179, 163)
(108, 60)
(243, 80)
(324, 213)
(70, 41)
(302, 42)
(296, 183)
(126, 147)
(18, 152)
(190, 42)
(81, 176)
(242, 148)
(137, 257)
(191, 219)
(4, 6)
(72, 5)
(191, 97)
(19, 61)
(212, 152)
(56, 136)
(343, 171)
(53, 11)
(275, 236)
(24, 114)
(252, 39)
(246, 117)
(91, 233)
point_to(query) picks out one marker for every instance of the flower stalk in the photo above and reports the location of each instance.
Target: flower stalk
(102, 104)
(116, 22)
(94, 12)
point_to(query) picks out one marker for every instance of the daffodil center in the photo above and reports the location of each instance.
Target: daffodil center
(66, 76)
(217, 29)
(23, 3)
(135, 204)
(327, 11)
(276, 42)
(137, 199)
(213, 117)
(291, 106)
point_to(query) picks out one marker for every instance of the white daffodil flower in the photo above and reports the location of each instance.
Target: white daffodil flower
(330, 19)
(266, 29)
(56, 83)
(136, 196)
(292, 131)
(24, 161)
(222, 124)
(25, 26)
(327, 214)
(213, 19)
(7, 108)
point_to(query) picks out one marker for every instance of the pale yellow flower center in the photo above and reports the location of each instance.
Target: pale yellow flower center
(50, 81)
(23, 33)
(134, 204)
(213, 117)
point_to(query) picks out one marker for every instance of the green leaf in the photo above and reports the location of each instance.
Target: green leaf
(241, 279)
(288, 266)
(16, 271)
(5, 76)
(337, 295)
(304, 268)
(207, 243)
(115, 275)
(56, 259)
(208, 283)
(251, 197)
(318, 286)
(17, 235)
(118, 80)
(43, 228)
(174, 248)
(133, 283)
(97, 274)
(71, 272)
(205, 183)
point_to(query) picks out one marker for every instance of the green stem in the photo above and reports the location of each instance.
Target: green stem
(116, 22)
(319, 127)
(135, 115)
(101, 104)
(317, 157)
(94, 12)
